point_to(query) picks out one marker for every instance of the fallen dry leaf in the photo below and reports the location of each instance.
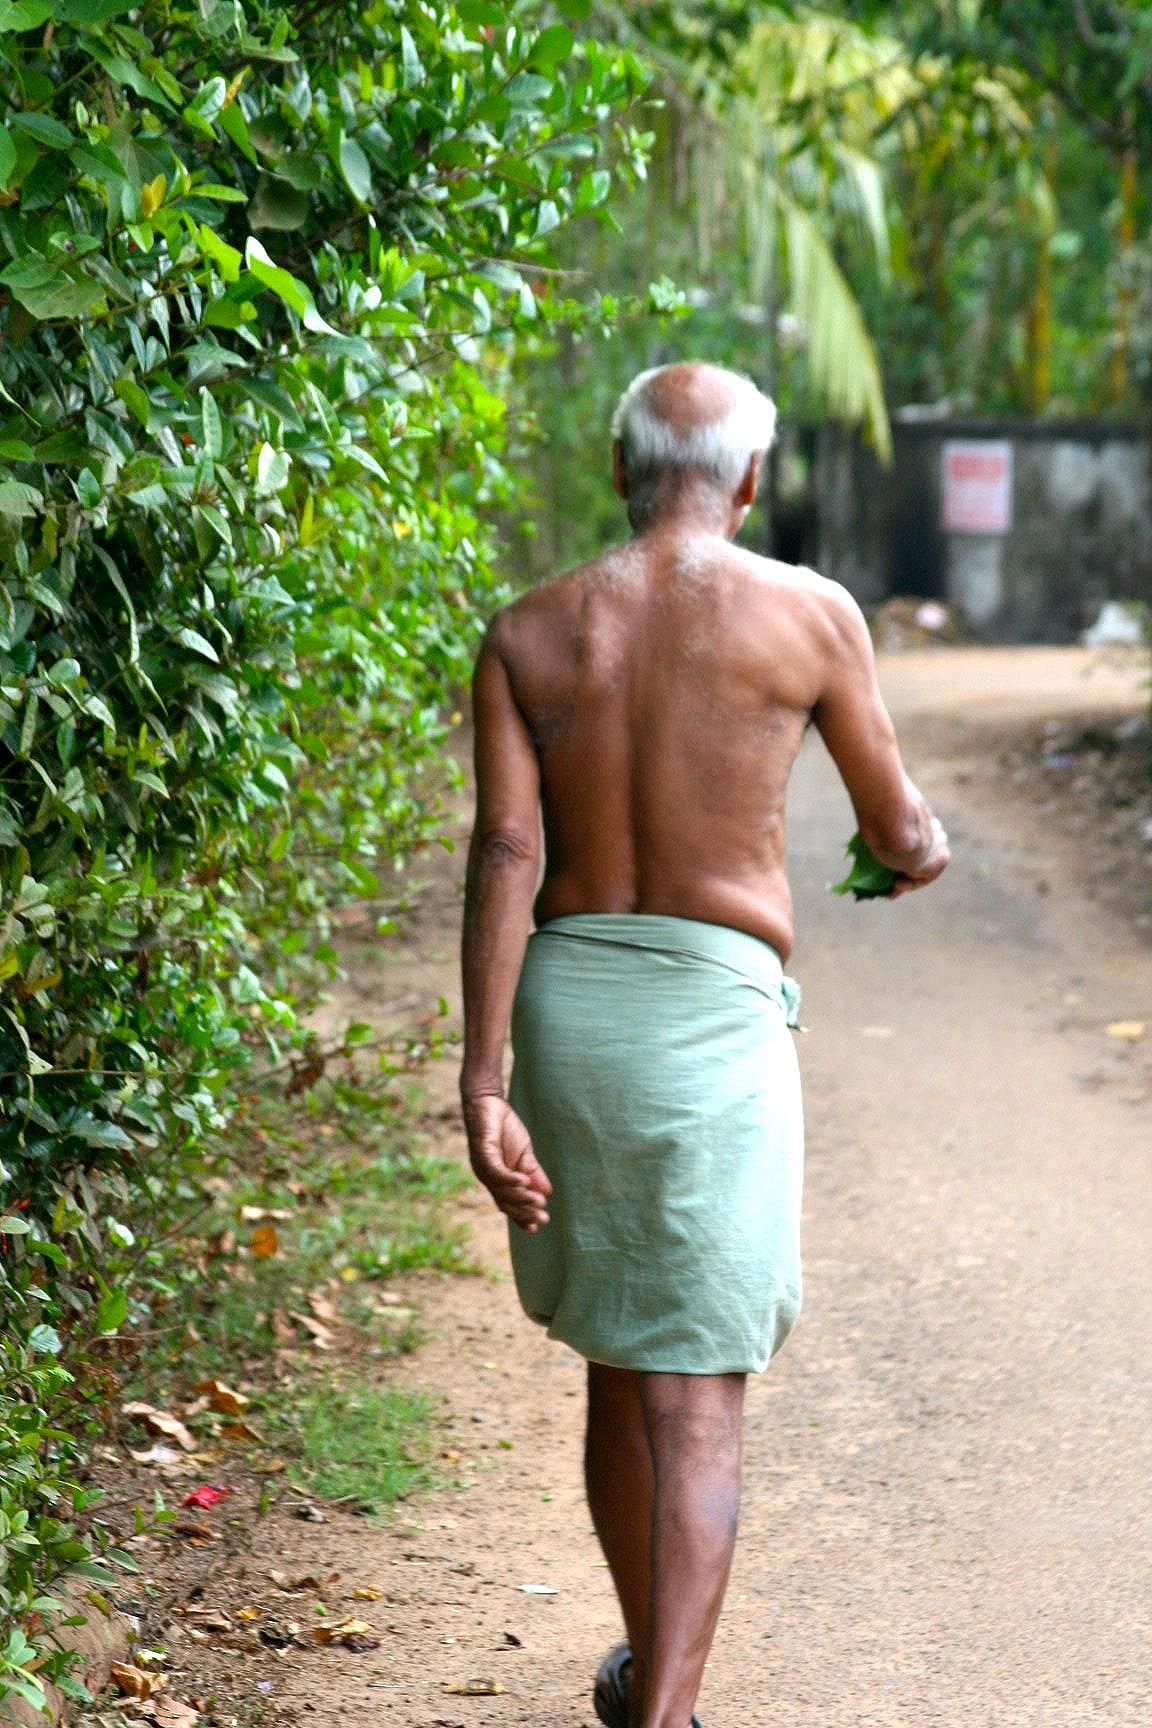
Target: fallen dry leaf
(257, 1214)
(320, 1335)
(192, 1528)
(161, 1422)
(538, 1589)
(239, 1431)
(368, 1593)
(222, 1398)
(290, 1581)
(282, 1331)
(1131, 1031)
(322, 1307)
(340, 1631)
(264, 1242)
(252, 1613)
(159, 1454)
(210, 1619)
(477, 1689)
(166, 1712)
(134, 1682)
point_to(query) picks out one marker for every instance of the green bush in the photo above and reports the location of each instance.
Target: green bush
(262, 269)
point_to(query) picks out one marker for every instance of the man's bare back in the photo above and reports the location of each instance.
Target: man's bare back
(666, 688)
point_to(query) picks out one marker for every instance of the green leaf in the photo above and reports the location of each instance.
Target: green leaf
(24, 15)
(221, 194)
(134, 397)
(226, 258)
(217, 521)
(123, 71)
(49, 293)
(92, 11)
(411, 66)
(551, 47)
(547, 218)
(199, 644)
(52, 133)
(112, 1311)
(289, 288)
(868, 879)
(45, 1341)
(277, 205)
(355, 168)
(19, 500)
(118, 583)
(272, 470)
(7, 156)
(211, 425)
(272, 397)
(14, 1227)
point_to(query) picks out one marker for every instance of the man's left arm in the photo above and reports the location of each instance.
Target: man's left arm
(503, 867)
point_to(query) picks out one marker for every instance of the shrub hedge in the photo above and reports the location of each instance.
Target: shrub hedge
(261, 268)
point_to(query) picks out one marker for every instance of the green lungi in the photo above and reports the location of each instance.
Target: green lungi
(656, 1075)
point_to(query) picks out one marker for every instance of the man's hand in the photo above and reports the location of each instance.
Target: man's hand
(937, 861)
(502, 1158)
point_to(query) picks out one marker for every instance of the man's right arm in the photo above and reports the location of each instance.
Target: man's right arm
(893, 817)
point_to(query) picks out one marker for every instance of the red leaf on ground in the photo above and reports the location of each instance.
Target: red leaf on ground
(208, 1495)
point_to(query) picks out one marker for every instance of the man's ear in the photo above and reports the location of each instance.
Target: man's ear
(619, 471)
(750, 485)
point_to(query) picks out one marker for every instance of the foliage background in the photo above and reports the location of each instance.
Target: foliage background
(262, 271)
(870, 204)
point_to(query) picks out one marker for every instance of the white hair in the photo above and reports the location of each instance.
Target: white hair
(720, 448)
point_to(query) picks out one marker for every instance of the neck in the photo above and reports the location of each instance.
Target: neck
(688, 504)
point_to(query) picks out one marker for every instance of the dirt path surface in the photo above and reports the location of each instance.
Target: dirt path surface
(949, 1469)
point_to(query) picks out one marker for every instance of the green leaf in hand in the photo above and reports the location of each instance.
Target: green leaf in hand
(868, 879)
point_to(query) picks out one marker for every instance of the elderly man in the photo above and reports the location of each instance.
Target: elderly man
(650, 706)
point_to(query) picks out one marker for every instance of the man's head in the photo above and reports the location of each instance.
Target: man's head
(690, 429)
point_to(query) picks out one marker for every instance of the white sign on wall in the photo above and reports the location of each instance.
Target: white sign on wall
(976, 487)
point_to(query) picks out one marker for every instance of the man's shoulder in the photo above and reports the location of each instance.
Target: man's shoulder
(557, 595)
(816, 594)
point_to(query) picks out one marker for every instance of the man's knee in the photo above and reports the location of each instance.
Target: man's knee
(614, 1406)
(693, 1412)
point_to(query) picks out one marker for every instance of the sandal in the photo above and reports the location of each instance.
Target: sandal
(610, 1693)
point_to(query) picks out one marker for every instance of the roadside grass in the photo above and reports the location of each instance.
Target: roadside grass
(369, 1445)
(281, 1282)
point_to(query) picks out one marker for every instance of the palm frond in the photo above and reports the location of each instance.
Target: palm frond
(842, 360)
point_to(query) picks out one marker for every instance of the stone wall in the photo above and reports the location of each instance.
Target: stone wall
(1026, 527)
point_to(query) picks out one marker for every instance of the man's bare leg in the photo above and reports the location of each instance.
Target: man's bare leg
(619, 1479)
(662, 1465)
(694, 1426)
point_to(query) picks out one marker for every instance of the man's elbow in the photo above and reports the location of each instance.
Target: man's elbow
(505, 847)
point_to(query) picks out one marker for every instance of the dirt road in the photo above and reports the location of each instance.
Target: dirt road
(948, 1514)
